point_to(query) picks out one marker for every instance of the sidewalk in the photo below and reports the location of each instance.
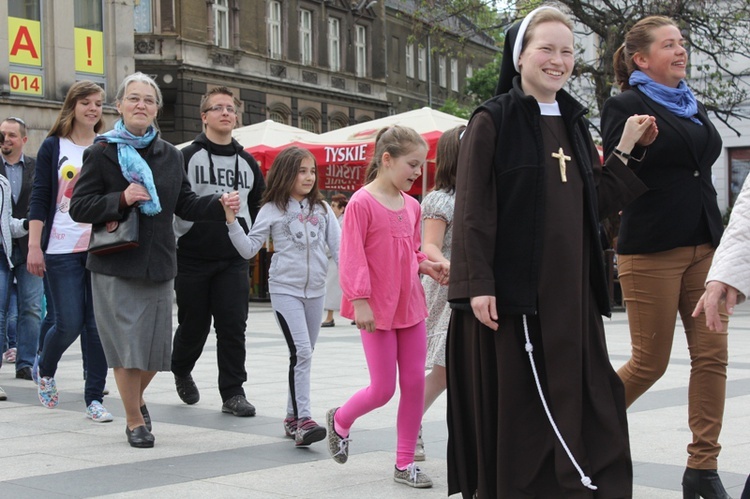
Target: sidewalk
(201, 452)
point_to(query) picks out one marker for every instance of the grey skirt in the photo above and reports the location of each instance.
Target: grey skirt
(134, 318)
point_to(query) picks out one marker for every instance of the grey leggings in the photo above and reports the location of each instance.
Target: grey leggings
(299, 320)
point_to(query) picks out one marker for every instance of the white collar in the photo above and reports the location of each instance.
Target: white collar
(548, 109)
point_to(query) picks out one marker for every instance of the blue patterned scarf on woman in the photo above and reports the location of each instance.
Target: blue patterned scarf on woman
(134, 168)
(680, 101)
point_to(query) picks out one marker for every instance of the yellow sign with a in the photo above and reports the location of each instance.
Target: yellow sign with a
(25, 84)
(24, 41)
(89, 51)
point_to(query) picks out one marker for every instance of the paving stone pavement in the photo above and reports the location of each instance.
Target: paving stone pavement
(201, 452)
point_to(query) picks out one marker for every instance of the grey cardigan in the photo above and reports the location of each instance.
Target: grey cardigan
(96, 199)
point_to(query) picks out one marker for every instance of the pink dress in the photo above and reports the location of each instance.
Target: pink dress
(379, 260)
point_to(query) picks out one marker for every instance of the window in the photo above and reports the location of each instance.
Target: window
(142, 20)
(409, 60)
(395, 54)
(361, 50)
(469, 71)
(739, 166)
(454, 74)
(337, 120)
(274, 30)
(305, 37)
(310, 120)
(89, 41)
(25, 73)
(88, 14)
(422, 63)
(26, 9)
(221, 23)
(442, 71)
(334, 44)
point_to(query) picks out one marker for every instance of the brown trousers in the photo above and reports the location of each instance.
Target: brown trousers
(655, 287)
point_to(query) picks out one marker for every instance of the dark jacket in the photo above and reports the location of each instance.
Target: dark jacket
(211, 169)
(681, 195)
(499, 214)
(21, 208)
(43, 206)
(96, 199)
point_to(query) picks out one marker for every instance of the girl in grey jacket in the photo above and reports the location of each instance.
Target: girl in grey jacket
(301, 226)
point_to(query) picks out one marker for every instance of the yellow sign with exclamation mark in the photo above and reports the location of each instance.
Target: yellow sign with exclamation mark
(89, 46)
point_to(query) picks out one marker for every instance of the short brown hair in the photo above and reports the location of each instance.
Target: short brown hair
(221, 90)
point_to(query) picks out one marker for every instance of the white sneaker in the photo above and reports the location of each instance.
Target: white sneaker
(96, 412)
(3, 395)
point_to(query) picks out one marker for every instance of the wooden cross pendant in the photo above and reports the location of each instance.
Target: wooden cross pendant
(562, 158)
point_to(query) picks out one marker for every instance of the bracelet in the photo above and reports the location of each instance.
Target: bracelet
(623, 154)
(628, 157)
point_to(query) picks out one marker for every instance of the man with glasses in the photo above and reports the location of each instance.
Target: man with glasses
(19, 169)
(212, 278)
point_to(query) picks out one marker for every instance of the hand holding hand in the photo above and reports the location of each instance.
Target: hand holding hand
(639, 129)
(716, 292)
(231, 203)
(135, 193)
(485, 310)
(231, 200)
(440, 271)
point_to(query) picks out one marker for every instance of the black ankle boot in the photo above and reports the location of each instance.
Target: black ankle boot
(702, 483)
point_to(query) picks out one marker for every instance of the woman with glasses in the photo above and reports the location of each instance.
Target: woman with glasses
(130, 167)
(58, 248)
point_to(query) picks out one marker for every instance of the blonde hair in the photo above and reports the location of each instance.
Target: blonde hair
(638, 39)
(545, 16)
(397, 141)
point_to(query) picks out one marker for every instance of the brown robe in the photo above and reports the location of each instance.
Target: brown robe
(501, 444)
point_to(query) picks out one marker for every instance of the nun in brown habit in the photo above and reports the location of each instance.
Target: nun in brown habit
(534, 406)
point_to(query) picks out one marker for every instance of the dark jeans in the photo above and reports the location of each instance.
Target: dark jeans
(49, 315)
(70, 288)
(221, 289)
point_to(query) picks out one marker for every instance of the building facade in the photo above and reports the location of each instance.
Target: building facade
(48, 46)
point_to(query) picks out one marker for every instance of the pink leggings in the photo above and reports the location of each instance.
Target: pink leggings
(385, 350)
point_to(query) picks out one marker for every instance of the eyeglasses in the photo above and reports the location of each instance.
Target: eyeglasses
(17, 120)
(135, 99)
(229, 109)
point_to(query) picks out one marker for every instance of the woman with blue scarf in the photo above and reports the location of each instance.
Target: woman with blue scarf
(668, 236)
(131, 166)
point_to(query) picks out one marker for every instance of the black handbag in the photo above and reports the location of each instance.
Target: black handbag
(116, 235)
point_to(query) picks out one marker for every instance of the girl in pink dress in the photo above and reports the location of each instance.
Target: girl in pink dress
(379, 266)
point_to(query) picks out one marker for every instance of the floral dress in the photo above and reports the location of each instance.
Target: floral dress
(438, 205)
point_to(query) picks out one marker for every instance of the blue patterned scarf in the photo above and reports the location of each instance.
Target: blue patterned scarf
(134, 168)
(680, 101)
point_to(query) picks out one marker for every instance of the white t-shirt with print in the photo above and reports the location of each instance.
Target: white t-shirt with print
(67, 235)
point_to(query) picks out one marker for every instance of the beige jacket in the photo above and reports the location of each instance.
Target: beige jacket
(731, 264)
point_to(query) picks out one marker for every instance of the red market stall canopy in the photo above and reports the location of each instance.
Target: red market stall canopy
(342, 155)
